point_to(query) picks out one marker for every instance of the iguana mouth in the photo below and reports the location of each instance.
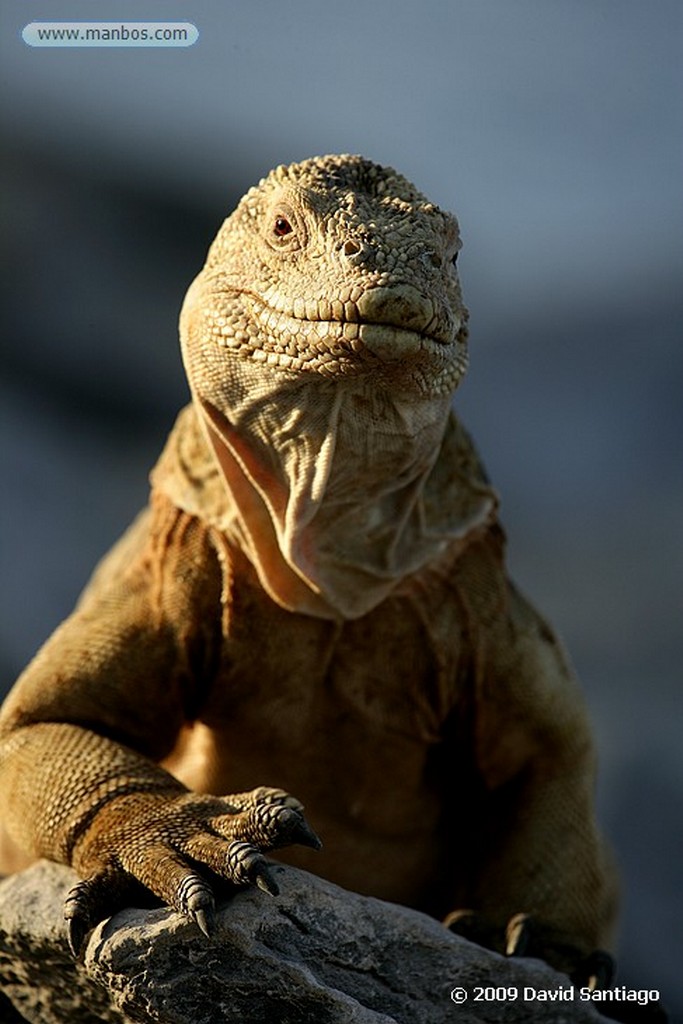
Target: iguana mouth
(390, 341)
(400, 307)
(303, 337)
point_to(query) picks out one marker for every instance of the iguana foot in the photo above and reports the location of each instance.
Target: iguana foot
(170, 843)
(524, 935)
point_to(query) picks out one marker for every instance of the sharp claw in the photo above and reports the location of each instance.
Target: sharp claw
(77, 929)
(460, 921)
(247, 867)
(77, 915)
(517, 935)
(473, 927)
(596, 972)
(204, 918)
(264, 879)
(303, 834)
(278, 826)
(92, 900)
(292, 827)
(195, 899)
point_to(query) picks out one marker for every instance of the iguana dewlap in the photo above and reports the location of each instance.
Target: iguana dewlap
(316, 600)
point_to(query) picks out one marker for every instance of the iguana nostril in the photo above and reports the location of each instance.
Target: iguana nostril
(350, 247)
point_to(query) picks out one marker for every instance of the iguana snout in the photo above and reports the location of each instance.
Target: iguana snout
(400, 306)
(399, 320)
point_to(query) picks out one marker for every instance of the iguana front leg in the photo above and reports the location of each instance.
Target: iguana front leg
(121, 820)
(83, 731)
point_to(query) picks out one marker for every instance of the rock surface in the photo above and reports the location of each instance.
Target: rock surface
(38, 975)
(314, 955)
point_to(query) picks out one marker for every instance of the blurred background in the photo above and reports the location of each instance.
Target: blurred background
(554, 130)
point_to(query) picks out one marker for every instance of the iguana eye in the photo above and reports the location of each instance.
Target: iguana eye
(282, 227)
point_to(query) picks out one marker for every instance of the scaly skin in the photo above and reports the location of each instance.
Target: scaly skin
(316, 598)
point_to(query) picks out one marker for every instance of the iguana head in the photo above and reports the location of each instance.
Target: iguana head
(322, 341)
(340, 266)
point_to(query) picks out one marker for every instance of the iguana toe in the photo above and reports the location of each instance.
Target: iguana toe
(77, 917)
(474, 927)
(90, 901)
(291, 828)
(517, 935)
(525, 936)
(246, 866)
(195, 900)
(269, 821)
(595, 971)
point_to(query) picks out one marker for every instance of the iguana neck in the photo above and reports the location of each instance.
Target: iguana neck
(335, 490)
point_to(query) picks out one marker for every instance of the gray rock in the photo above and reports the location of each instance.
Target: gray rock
(37, 972)
(314, 955)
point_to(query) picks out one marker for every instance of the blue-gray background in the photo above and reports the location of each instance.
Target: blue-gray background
(553, 128)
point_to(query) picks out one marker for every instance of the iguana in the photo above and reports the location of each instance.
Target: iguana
(316, 599)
